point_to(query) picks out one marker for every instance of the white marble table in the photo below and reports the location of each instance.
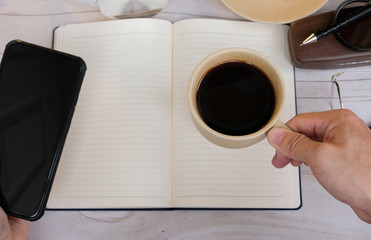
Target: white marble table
(321, 217)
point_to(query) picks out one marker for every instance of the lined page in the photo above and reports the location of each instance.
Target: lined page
(206, 175)
(118, 149)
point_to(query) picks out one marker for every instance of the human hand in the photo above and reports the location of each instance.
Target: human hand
(336, 145)
(12, 228)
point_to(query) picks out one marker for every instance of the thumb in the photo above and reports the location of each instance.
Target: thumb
(294, 145)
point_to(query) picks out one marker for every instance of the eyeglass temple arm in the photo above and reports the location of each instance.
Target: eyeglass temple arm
(333, 80)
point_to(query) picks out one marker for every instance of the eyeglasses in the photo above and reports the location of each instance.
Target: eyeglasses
(357, 35)
(352, 90)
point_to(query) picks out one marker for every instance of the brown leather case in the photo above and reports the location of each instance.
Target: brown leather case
(328, 52)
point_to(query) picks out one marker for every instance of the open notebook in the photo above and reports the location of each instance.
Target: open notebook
(132, 143)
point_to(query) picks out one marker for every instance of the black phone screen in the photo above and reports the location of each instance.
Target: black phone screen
(38, 92)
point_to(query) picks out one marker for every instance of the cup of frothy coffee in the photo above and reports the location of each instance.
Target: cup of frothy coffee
(236, 95)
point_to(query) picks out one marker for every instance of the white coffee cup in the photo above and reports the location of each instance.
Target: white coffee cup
(116, 9)
(258, 60)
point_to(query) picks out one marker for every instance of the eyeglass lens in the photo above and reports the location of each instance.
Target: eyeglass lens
(358, 34)
(352, 90)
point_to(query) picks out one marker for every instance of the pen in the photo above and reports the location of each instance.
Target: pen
(357, 15)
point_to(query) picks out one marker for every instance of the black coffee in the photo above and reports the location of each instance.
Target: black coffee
(235, 98)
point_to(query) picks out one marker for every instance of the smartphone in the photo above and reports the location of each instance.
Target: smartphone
(39, 88)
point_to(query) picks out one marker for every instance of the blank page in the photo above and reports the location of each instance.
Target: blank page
(118, 149)
(206, 175)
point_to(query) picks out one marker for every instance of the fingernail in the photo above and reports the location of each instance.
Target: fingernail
(275, 136)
